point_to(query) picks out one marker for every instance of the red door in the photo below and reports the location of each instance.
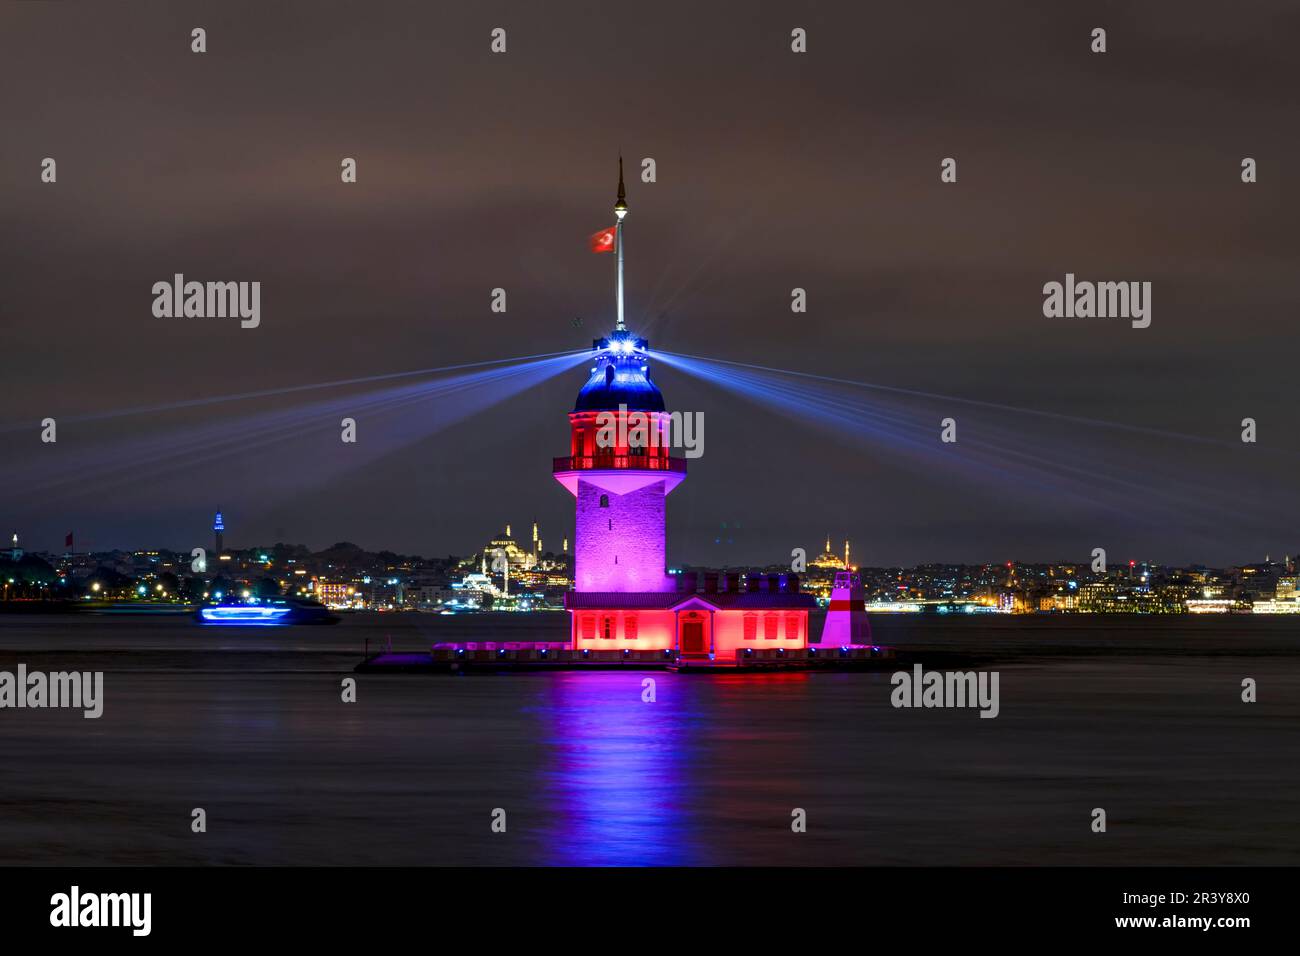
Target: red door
(693, 636)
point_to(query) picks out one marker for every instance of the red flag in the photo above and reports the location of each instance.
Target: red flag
(67, 542)
(603, 241)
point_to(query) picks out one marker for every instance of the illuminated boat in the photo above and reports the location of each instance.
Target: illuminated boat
(273, 613)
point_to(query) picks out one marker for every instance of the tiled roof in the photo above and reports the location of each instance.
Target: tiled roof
(631, 600)
(758, 599)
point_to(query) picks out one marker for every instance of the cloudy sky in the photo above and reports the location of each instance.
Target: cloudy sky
(774, 170)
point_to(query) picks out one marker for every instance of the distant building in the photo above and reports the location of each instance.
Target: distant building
(828, 560)
(335, 594)
(506, 544)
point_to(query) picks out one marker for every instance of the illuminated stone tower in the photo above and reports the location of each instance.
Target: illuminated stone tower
(219, 533)
(619, 469)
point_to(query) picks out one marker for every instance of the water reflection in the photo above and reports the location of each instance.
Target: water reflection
(617, 771)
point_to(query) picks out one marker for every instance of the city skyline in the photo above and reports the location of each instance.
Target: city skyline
(1116, 563)
(502, 576)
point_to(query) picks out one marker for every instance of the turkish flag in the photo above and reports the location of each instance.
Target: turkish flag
(67, 542)
(603, 241)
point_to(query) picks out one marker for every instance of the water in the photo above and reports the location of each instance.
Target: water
(1140, 716)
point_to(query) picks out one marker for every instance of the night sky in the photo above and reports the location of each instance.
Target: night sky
(775, 171)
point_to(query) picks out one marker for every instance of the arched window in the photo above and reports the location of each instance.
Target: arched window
(604, 501)
(770, 623)
(751, 626)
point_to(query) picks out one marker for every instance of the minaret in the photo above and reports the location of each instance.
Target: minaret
(847, 566)
(619, 479)
(218, 528)
(620, 212)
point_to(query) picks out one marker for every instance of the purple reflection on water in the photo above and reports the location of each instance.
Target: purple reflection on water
(618, 770)
(630, 783)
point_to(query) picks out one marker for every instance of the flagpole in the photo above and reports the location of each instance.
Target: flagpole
(618, 239)
(620, 210)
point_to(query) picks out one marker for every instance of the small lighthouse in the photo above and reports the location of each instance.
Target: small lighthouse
(846, 618)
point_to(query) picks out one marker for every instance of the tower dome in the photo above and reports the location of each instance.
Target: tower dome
(620, 376)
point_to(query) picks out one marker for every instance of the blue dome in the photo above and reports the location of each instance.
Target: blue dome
(620, 376)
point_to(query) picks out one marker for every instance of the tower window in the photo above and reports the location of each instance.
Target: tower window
(604, 501)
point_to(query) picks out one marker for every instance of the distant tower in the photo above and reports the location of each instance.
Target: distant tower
(16, 553)
(219, 528)
(847, 566)
(619, 470)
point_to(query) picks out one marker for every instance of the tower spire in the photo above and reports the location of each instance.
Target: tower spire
(620, 210)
